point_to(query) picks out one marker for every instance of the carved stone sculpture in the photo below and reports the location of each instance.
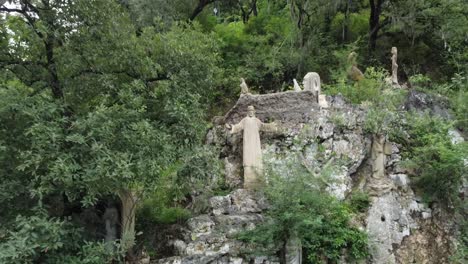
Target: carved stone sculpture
(394, 66)
(244, 87)
(322, 100)
(252, 153)
(378, 156)
(354, 73)
(111, 221)
(297, 88)
(293, 251)
(379, 183)
(312, 83)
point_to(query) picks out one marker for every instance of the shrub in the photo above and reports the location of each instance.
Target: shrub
(368, 89)
(41, 239)
(420, 80)
(359, 202)
(301, 208)
(437, 164)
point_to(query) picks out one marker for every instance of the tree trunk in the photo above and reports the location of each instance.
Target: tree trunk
(52, 69)
(346, 22)
(254, 7)
(129, 201)
(374, 23)
(201, 5)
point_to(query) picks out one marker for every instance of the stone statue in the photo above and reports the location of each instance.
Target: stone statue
(111, 220)
(244, 87)
(394, 66)
(322, 101)
(252, 153)
(293, 251)
(378, 182)
(297, 88)
(354, 73)
(311, 82)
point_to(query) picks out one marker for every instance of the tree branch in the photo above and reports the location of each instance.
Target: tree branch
(134, 76)
(11, 10)
(201, 5)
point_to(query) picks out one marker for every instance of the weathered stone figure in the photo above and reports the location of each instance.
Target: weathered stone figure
(354, 73)
(311, 82)
(394, 66)
(297, 88)
(111, 220)
(244, 87)
(379, 183)
(322, 100)
(252, 153)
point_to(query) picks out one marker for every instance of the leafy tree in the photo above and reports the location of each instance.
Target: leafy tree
(99, 109)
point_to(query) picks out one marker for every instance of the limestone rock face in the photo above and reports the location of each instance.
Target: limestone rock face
(401, 228)
(210, 238)
(436, 105)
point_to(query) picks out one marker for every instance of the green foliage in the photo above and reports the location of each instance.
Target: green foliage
(460, 108)
(420, 80)
(38, 238)
(338, 120)
(155, 214)
(457, 91)
(461, 254)
(258, 50)
(32, 237)
(437, 164)
(359, 201)
(301, 208)
(368, 89)
(357, 25)
(383, 116)
(111, 110)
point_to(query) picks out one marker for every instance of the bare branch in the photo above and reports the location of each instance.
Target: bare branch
(11, 10)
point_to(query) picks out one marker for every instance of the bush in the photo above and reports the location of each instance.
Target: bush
(301, 208)
(420, 80)
(359, 202)
(41, 239)
(437, 165)
(368, 89)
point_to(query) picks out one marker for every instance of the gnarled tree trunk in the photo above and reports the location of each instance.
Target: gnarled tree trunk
(129, 201)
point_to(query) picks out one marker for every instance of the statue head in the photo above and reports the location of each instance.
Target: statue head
(250, 111)
(394, 50)
(352, 58)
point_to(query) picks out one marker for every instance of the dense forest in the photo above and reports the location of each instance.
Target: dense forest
(105, 105)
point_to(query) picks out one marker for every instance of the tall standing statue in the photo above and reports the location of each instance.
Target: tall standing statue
(394, 66)
(252, 152)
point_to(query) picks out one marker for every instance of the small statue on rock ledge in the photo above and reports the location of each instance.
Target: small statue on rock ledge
(244, 87)
(297, 88)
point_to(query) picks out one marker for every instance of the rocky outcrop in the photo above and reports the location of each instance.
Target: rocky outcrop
(433, 104)
(401, 228)
(211, 237)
